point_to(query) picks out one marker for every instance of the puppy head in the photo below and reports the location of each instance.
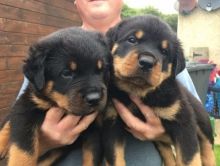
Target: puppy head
(145, 53)
(69, 69)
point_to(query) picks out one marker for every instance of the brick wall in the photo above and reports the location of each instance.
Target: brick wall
(21, 23)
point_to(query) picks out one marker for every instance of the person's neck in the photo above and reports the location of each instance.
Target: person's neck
(100, 25)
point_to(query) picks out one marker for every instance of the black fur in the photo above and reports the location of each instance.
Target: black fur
(190, 116)
(49, 71)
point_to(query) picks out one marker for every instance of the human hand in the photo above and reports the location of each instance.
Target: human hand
(144, 130)
(57, 130)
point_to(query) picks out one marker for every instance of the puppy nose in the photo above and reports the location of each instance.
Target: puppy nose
(93, 98)
(146, 62)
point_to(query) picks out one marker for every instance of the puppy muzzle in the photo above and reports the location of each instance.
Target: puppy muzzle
(93, 98)
(146, 62)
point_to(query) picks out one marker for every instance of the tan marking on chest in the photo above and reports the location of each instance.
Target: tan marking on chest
(120, 154)
(111, 113)
(168, 113)
(18, 156)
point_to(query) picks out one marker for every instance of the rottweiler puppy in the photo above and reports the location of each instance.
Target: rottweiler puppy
(67, 69)
(147, 56)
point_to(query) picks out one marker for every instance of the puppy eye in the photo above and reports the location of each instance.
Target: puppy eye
(132, 40)
(67, 74)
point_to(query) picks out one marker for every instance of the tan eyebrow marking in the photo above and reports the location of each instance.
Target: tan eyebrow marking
(164, 44)
(114, 48)
(99, 64)
(73, 66)
(139, 34)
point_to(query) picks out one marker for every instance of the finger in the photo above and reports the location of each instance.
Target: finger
(54, 115)
(72, 140)
(68, 122)
(137, 101)
(143, 136)
(84, 123)
(137, 135)
(145, 110)
(130, 120)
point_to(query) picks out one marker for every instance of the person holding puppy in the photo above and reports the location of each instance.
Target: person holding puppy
(100, 15)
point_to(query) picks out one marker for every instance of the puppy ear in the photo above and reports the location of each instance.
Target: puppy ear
(34, 66)
(102, 39)
(107, 58)
(112, 35)
(179, 60)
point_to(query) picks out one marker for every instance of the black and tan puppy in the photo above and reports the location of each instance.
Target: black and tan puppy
(68, 69)
(147, 56)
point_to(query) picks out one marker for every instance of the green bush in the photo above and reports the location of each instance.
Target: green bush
(171, 19)
(217, 154)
